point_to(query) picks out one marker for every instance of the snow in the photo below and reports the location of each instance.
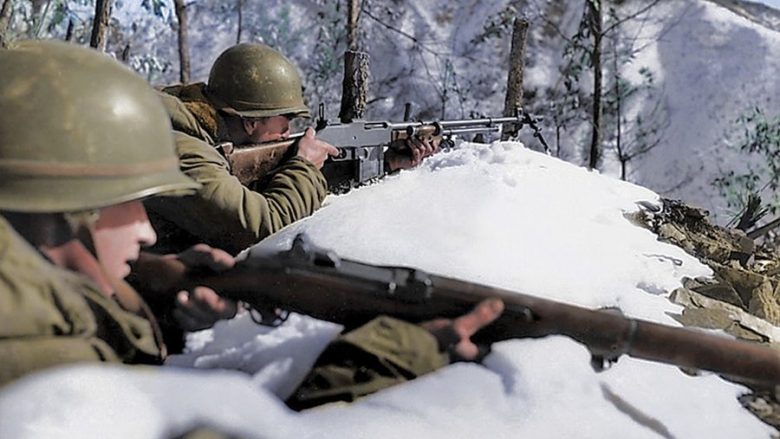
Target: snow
(498, 214)
(712, 66)
(772, 3)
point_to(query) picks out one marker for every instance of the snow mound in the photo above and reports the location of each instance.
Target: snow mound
(497, 214)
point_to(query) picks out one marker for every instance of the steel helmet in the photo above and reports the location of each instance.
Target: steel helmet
(79, 131)
(254, 80)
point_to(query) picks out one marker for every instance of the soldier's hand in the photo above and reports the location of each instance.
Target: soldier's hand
(201, 307)
(410, 152)
(202, 256)
(455, 334)
(314, 150)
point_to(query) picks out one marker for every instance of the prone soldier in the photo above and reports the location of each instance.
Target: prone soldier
(252, 94)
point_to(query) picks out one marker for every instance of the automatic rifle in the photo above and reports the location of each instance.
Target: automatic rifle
(362, 146)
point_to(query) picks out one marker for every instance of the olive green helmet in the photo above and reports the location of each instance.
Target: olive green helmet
(79, 131)
(254, 80)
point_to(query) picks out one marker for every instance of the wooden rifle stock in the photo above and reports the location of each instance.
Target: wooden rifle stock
(315, 282)
(253, 162)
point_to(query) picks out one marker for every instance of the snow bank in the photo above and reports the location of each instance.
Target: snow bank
(497, 214)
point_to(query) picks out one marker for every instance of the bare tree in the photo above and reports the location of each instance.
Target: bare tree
(125, 57)
(593, 103)
(638, 136)
(184, 51)
(353, 13)
(595, 18)
(355, 83)
(5, 19)
(99, 37)
(514, 87)
(240, 9)
(70, 33)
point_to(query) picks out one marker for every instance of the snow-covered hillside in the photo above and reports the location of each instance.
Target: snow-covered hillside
(497, 214)
(710, 61)
(713, 66)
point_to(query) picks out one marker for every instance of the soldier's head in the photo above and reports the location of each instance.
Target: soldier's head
(259, 88)
(82, 141)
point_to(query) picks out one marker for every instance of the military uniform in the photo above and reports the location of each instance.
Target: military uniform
(248, 81)
(380, 354)
(50, 316)
(224, 213)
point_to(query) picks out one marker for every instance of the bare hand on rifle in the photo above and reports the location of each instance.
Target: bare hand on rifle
(314, 150)
(201, 307)
(455, 334)
(410, 152)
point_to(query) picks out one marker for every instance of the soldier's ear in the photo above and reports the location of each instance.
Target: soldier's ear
(250, 125)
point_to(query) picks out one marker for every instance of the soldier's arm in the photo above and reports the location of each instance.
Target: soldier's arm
(228, 215)
(387, 351)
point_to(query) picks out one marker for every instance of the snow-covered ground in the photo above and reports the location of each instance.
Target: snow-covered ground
(713, 66)
(497, 214)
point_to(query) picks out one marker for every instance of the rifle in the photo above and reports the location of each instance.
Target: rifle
(361, 145)
(316, 282)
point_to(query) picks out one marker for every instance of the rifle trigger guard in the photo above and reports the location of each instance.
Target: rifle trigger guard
(266, 318)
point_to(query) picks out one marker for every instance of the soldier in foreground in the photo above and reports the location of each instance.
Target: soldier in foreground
(252, 94)
(72, 223)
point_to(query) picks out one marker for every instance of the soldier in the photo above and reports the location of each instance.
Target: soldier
(76, 160)
(252, 94)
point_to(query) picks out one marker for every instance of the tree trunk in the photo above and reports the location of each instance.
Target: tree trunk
(184, 51)
(514, 86)
(594, 7)
(355, 86)
(240, 8)
(353, 12)
(5, 20)
(126, 53)
(622, 157)
(99, 37)
(70, 33)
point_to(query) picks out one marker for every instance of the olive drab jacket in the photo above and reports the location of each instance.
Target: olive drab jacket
(380, 354)
(224, 213)
(50, 316)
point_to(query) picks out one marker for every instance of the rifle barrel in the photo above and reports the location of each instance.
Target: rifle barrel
(352, 293)
(485, 122)
(474, 130)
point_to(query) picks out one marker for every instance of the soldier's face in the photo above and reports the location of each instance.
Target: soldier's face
(120, 232)
(268, 129)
